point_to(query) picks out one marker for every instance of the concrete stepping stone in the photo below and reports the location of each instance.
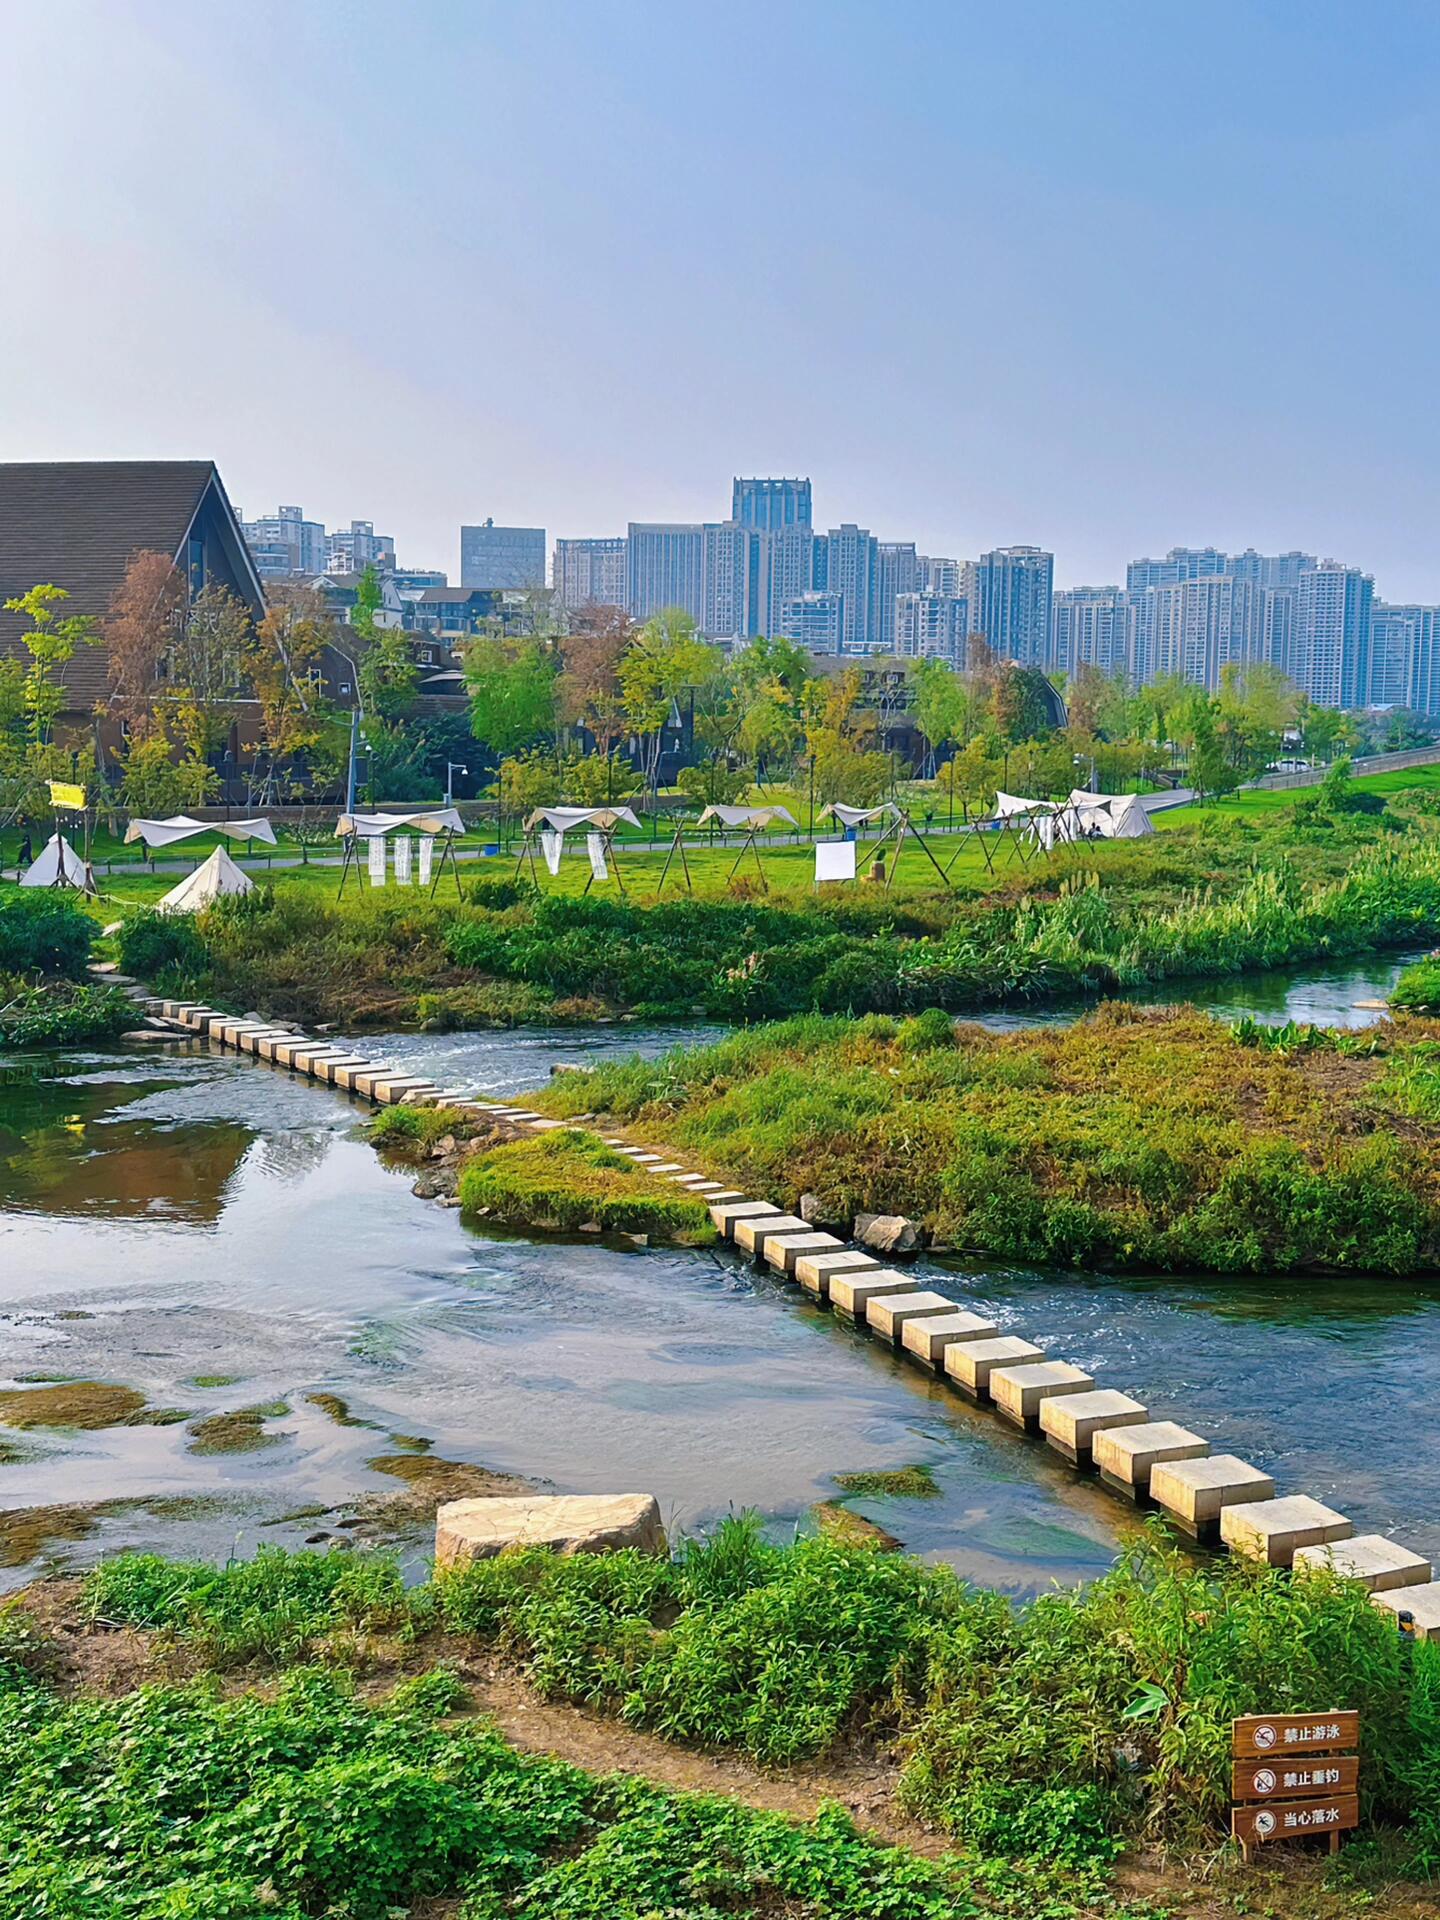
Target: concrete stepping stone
(1126, 1455)
(667, 1166)
(886, 1313)
(783, 1251)
(1194, 1492)
(267, 1043)
(927, 1336)
(392, 1091)
(852, 1290)
(726, 1213)
(1379, 1564)
(328, 1070)
(815, 1271)
(1018, 1391)
(970, 1363)
(1421, 1603)
(1272, 1530)
(751, 1233)
(1070, 1421)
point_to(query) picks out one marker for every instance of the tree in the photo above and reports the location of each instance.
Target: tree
(207, 667)
(600, 780)
(668, 660)
(386, 666)
(973, 775)
(942, 703)
(838, 732)
(281, 663)
(512, 687)
(588, 689)
(50, 642)
(146, 614)
(526, 781)
(1210, 769)
(153, 784)
(1022, 706)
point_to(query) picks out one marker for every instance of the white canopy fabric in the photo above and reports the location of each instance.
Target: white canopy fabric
(163, 833)
(58, 866)
(857, 816)
(562, 819)
(215, 877)
(370, 826)
(1080, 798)
(746, 816)
(1008, 805)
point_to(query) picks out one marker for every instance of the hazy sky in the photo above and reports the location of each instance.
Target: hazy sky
(1106, 277)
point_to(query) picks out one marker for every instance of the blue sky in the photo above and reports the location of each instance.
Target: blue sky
(1104, 277)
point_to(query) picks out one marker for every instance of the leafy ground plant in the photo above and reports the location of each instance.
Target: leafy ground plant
(567, 1179)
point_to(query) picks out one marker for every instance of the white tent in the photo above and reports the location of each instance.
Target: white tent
(751, 817)
(215, 877)
(370, 826)
(1131, 821)
(58, 866)
(163, 833)
(1010, 806)
(562, 819)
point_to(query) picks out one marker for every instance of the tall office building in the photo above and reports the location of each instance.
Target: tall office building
(1330, 640)
(1088, 627)
(492, 556)
(284, 544)
(897, 571)
(589, 573)
(1010, 592)
(1404, 660)
(847, 564)
(665, 567)
(932, 625)
(815, 621)
(770, 503)
(729, 564)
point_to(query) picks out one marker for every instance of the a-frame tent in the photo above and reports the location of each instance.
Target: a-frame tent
(58, 865)
(214, 879)
(753, 819)
(899, 828)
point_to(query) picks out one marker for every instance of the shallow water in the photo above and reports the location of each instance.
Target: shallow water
(189, 1214)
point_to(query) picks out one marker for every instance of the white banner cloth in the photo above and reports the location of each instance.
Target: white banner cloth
(377, 862)
(551, 845)
(427, 855)
(403, 850)
(595, 847)
(834, 860)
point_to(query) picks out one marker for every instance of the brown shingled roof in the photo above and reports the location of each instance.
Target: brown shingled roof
(77, 524)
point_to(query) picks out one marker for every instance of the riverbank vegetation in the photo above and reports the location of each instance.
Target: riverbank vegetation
(1148, 1139)
(1039, 1742)
(45, 997)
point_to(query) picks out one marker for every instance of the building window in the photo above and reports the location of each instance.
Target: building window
(196, 564)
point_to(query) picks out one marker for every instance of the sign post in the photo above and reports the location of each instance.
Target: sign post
(1292, 1777)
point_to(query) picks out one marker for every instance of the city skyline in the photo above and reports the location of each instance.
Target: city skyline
(1172, 286)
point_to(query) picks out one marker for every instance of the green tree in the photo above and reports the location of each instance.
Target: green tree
(50, 641)
(386, 665)
(667, 663)
(1022, 706)
(1211, 771)
(942, 703)
(513, 686)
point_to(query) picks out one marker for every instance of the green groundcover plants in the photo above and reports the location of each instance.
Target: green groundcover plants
(1143, 1138)
(567, 1179)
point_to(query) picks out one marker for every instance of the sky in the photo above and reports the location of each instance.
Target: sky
(1105, 278)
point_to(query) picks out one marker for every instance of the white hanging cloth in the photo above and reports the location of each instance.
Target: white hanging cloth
(834, 860)
(563, 818)
(595, 847)
(404, 847)
(427, 856)
(552, 845)
(377, 861)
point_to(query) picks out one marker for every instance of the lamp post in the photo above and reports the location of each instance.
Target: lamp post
(357, 715)
(452, 766)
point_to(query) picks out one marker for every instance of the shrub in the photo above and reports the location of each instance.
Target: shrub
(43, 932)
(154, 946)
(58, 1014)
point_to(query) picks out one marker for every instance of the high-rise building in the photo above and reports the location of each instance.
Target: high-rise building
(1009, 592)
(1204, 623)
(847, 564)
(897, 571)
(1088, 627)
(492, 556)
(1330, 639)
(285, 545)
(665, 567)
(770, 503)
(1404, 660)
(932, 625)
(934, 575)
(728, 567)
(784, 569)
(815, 621)
(354, 548)
(589, 573)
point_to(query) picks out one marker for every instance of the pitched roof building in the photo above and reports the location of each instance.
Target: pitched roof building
(77, 524)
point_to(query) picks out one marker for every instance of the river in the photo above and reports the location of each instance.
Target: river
(216, 1235)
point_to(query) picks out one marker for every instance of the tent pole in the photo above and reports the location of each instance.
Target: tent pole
(345, 863)
(740, 856)
(759, 863)
(670, 855)
(899, 843)
(615, 862)
(925, 844)
(685, 864)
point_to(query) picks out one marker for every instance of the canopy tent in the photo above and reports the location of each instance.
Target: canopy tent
(1130, 817)
(859, 816)
(58, 866)
(751, 817)
(1011, 806)
(553, 823)
(163, 833)
(899, 828)
(442, 823)
(212, 880)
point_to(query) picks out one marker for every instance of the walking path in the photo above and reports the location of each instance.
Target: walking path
(1154, 1461)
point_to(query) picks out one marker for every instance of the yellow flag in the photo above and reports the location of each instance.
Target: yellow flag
(64, 795)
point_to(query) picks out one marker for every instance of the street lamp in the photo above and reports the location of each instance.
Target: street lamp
(357, 715)
(452, 766)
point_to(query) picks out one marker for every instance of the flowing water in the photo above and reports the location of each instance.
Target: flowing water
(216, 1235)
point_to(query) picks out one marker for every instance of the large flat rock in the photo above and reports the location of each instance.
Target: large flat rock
(569, 1523)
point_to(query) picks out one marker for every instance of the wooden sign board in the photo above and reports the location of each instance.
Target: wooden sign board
(1266, 1736)
(1294, 1776)
(1256, 1826)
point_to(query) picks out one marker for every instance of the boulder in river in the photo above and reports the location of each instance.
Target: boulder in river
(890, 1233)
(569, 1523)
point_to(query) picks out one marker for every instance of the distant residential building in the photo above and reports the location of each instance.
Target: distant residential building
(729, 556)
(931, 625)
(770, 503)
(461, 611)
(415, 579)
(589, 573)
(1009, 591)
(936, 575)
(1404, 658)
(665, 567)
(784, 569)
(285, 545)
(1330, 642)
(897, 571)
(1088, 627)
(846, 562)
(492, 556)
(1203, 624)
(351, 549)
(815, 621)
